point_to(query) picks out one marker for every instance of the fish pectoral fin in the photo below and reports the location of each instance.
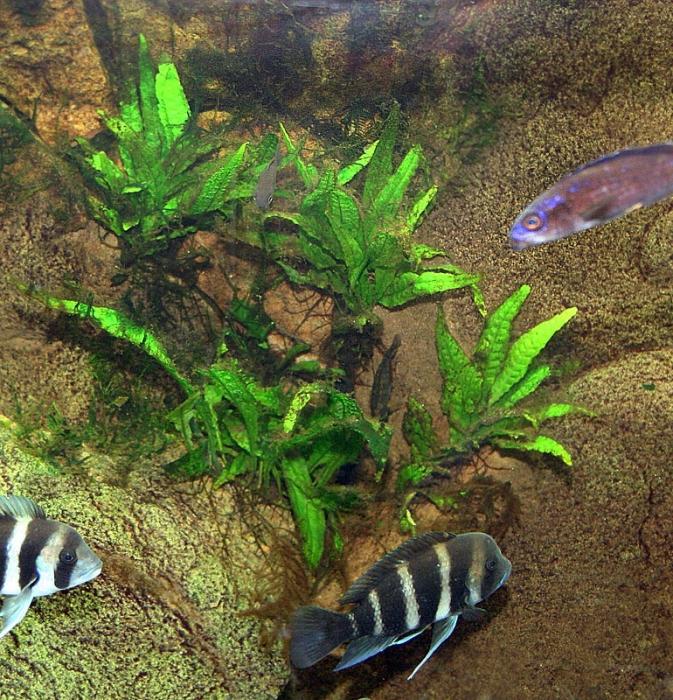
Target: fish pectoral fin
(411, 635)
(600, 212)
(441, 631)
(15, 607)
(360, 649)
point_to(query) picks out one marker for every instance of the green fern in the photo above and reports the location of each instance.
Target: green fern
(167, 181)
(480, 395)
(233, 427)
(358, 246)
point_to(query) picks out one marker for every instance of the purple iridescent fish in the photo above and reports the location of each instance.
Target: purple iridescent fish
(595, 193)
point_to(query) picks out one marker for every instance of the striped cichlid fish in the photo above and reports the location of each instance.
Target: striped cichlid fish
(37, 557)
(431, 579)
(599, 191)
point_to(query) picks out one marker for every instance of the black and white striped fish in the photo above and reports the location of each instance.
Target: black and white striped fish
(37, 557)
(431, 579)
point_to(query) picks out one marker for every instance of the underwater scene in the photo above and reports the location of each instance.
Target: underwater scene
(336, 349)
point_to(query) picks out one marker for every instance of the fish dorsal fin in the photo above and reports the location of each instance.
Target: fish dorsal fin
(665, 147)
(19, 507)
(371, 578)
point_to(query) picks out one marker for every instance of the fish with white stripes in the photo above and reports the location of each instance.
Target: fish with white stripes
(431, 579)
(38, 557)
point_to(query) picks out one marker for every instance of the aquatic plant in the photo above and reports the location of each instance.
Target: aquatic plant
(167, 182)
(357, 246)
(293, 437)
(481, 396)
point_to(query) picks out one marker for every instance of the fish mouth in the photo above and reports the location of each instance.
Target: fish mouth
(507, 573)
(93, 571)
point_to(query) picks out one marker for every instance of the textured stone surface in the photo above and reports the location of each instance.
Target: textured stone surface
(49, 62)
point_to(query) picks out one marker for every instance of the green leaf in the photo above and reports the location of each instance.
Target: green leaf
(344, 218)
(104, 215)
(542, 444)
(232, 384)
(413, 474)
(212, 193)
(242, 463)
(462, 402)
(149, 107)
(524, 350)
(418, 431)
(419, 208)
(381, 164)
(492, 345)
(299, 401)
(399, 289)
(531, 381)
(171, 101)
(116, 325)
(389, 199)
(508, 426)
(113, 177)
(452, 359)
(346, 174)
(554, 410)
(308, 514)
(190, 465)
(307, 172)
(432, 282)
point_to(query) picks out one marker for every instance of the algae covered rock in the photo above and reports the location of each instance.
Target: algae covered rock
(165, 619)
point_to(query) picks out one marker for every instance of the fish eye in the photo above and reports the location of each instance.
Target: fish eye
(532, 222)
(67, 556)
(491, 564)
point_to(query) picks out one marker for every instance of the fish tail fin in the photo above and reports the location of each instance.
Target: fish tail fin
(315, 633)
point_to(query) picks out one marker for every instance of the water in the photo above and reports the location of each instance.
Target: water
(185, 376)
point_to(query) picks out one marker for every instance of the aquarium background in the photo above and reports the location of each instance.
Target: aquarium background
(200, 576)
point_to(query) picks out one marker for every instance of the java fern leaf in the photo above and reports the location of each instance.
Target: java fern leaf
(149, 105)
(542, 444)
(212, 194)
(307, 171)
(451, 356)
(387, 202)
(381, 165)
(118, 326)
(173, 107)
(524, 387)
(419, 208)
(492, 346)
(307, 511)
(348, 172)
(524, 350)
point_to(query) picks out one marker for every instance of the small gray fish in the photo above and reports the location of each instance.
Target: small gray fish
(37, 557)
(382, 386)
(431, 579)
(266, 184)
(595, 193)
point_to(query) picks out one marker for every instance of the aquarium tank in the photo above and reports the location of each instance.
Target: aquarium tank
(336, 349)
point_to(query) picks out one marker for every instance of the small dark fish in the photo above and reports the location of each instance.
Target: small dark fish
(595, 193)
(266, 184)
(431, 579)
(382, 386)
(37, 557)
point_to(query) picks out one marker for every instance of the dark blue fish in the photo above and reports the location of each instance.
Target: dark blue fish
(597, 192)
(431, 579)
